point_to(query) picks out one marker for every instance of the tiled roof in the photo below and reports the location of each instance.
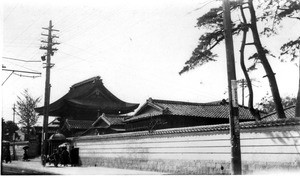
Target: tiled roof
(79, 124)
(217, 109)
(114, 119)
(111, 120)
(289, 113)
(89, 95)
(51, 129)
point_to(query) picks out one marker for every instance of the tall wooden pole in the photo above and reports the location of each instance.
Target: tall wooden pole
(14, 135)
(297, 108)
(47, 96)
(243, 91)
(50, 50)
(236, 167)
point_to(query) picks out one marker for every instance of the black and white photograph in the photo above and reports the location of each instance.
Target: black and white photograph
(150, 87)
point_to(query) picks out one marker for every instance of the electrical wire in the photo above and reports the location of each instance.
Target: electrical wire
(23, 67)
(28, 76)
(78, 32)
(5, 18)
(22, 60)
(199, 8)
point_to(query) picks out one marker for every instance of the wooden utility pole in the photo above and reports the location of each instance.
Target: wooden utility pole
(236, 167)
(243, 92)
(50, 49)
(297, 108)
(14, 135)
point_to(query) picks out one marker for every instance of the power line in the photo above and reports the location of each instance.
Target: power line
(22, 71)
(18, 71)
(23, 67)
(24, 31)
(199, 8)
(26, 76)
(22, 60)
(5, 18)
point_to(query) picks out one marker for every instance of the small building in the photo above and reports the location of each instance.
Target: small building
(161, 114)
(73, 128)
(107, 124)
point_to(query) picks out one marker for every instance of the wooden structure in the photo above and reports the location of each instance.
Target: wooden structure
(75, 127)
(86, 100)
(83, 104)
(161, 114)
(107, 124)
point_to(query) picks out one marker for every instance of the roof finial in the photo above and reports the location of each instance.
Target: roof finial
(223, 102)
(150, 100)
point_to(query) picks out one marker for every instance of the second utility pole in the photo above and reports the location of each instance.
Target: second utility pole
(236, 167)
(14, 135)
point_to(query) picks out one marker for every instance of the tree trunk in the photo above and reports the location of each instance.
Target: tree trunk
(265, 63)
(28, 130)
(242, 59)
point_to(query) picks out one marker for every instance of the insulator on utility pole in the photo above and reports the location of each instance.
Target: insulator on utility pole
(47, 57)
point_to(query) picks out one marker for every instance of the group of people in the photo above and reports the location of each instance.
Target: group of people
(63, 157)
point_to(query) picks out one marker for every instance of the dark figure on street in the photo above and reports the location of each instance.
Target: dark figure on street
(74, 156)
(54, 158)
(7, 155)
(25, 155)
(65, 157)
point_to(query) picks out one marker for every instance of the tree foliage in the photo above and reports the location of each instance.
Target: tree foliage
(25, 109)
(9, 128)
(273, 13)
(267, 104)
(289, 50)
(212, 21)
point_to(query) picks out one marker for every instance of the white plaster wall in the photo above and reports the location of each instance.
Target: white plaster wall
(269, 144)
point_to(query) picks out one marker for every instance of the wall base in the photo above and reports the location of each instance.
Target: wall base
(188, 167)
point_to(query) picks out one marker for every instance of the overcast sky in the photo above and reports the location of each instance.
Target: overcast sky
(137, 47)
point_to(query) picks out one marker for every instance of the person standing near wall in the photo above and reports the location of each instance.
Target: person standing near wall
(65, 157)
(25, 155)
(7, 155)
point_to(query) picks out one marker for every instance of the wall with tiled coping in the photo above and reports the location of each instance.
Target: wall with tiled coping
(196, 150)
(19, 151)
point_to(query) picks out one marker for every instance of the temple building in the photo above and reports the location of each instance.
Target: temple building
(83, 104)
(161, 114)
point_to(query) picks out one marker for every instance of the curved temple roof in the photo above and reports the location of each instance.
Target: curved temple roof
(89, 96)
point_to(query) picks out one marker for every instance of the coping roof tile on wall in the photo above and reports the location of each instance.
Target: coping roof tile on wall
(207, 128)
